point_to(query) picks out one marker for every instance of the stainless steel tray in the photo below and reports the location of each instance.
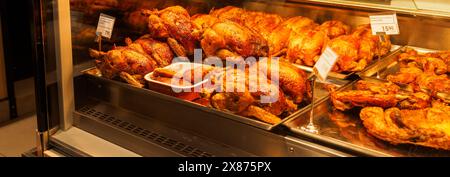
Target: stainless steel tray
(321, 93)
(344, 130)
(337, 75)
(389, 64)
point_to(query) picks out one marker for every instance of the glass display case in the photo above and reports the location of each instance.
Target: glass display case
(92, 101)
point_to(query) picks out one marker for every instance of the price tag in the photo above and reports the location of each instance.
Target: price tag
(105, 25)
(325, 63)
(385, 23)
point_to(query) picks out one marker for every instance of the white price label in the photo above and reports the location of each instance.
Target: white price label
(105, 25)
(325, 63)
(384, 24)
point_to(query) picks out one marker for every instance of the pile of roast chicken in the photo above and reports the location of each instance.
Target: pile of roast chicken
(409, 109)
(412, 107)
(230, 33)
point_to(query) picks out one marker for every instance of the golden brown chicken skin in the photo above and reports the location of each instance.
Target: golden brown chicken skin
(334, 28)
(260, 22)
(347, 47)
(379, 94)
(279, 38)
(159, 51)
(174, 24)
(292, 80)
(371, 45)
(305, 47)
(229, 39)
(428, 127)
(237, 97)
(129, 64)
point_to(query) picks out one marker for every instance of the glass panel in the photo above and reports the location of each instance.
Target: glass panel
(129, 21)
(48, 40)
(396, 4)
(433, 5)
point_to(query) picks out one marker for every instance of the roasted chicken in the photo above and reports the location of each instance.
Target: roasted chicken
(383, 95)
(235, 97)
(262, 23)
(304, 47)
(347, 49)
(444, 55)
(173, 24)
(251, 96)
(425, 62)
(405, 75)
(423, 73)
(371, 45)
(279, 38)
(202, 22)
(436, 86)
(334, 28)
(292, 80)
(159, 51)
(247, 92)
(124, 62)
(415, 111)
(227, 40)
(428, 127)
(358, 49)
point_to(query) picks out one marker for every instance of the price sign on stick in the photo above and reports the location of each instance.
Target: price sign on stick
(384, 23)
(105, 25)
(325, 63)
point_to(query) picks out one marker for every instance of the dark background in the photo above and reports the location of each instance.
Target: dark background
(16, 39)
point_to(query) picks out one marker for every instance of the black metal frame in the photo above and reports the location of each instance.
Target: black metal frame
(8, 69)
(39, 60)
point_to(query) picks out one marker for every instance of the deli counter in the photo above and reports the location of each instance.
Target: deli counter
(105, 75)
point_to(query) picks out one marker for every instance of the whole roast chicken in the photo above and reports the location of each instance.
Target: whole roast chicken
(261, 22)
(173, 24)
(159, 51)
(279, 38)
(227, 39)
(305, 47)
(255, 95)
(132, 62)
(124, 62)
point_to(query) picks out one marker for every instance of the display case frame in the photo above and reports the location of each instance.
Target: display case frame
(70, 87)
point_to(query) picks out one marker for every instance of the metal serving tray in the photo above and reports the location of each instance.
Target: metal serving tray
(321, 93)
(344, 130)
(337, 75)
(139, 119)
(389, 64)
